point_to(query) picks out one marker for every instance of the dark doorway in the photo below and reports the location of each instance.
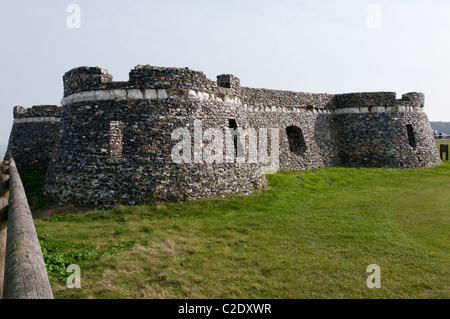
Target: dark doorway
(411, 137)
(297, 144)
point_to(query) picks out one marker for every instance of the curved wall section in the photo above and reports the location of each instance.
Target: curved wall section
(117, 148)
(377, 130)
(383, 140)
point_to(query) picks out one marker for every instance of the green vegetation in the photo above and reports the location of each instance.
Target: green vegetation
(312, 234)
(57, 263)
(32, 183)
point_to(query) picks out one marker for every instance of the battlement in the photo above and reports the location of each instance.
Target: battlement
(85, 79)
(164, 77)
(228, 81)
(37, 111)
(365, 99)
(413, 99)
(260, 99)
(146, 82)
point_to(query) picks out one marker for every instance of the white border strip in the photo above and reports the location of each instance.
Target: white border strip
(36, 120)
(283, 109)
(193, 95)
(378, 109)
(145, 94)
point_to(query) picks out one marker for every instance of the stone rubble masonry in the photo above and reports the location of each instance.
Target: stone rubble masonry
(25, 276)
(33, 135)
(114, 144)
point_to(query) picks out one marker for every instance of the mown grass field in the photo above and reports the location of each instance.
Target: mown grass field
(312, 234)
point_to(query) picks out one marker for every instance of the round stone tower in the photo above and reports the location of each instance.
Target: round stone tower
(118, 140)
(377, 130)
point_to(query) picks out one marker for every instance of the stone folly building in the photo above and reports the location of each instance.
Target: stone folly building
(113, 142)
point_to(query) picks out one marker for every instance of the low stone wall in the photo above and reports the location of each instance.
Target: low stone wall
(25, 276)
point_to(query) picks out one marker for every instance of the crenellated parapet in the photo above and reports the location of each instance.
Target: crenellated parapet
(148, 76)
(146, 82)
(85, 79)
(228, 81)
(378, 130)
(412, 99)
(286, 101)
(369, 99)
(84, 85)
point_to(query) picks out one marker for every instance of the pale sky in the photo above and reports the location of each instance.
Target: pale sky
(321, 46)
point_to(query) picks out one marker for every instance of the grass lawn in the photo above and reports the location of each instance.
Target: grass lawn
(312, 234)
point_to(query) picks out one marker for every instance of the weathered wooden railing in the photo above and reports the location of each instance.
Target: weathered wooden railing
(22, 269)
(4, 178)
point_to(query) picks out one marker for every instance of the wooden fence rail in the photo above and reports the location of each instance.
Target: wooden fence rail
(25, 276)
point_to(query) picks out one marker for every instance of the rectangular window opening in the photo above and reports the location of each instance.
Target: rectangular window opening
(233, 125)
(411, 137)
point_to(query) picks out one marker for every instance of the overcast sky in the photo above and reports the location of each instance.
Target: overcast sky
(321, 46)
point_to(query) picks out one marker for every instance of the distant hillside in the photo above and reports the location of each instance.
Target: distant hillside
(443, 127)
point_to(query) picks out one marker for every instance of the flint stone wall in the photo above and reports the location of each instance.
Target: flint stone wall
(86, 170)
(381, 140)
(115, 139)
(33, 136)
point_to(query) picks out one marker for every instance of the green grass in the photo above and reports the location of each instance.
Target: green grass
(312, 234)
